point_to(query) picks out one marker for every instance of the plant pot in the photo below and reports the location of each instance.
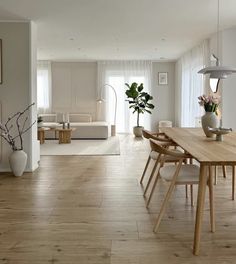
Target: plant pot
(138, 131)
(210, 119)
(40, 124)
(17, 160)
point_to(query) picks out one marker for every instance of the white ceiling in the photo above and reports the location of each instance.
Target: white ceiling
(119, 29)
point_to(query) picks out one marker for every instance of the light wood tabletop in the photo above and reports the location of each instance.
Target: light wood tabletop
(208, 152)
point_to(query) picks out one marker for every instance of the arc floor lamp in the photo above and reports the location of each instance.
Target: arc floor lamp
(113, 126)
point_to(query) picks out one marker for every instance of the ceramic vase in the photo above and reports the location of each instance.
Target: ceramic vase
(17, 160)
(210, 119)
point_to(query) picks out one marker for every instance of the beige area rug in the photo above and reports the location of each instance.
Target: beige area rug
(110, 146)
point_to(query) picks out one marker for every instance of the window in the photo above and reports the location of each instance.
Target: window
(116, 74)
(44, 87)
(125, 118)
(192, 85)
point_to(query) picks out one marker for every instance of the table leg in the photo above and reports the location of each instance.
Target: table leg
(200, 208)
(211, 199)
(233, 181)
(60, 137)
(41, 136)
(215, 174)
(64, 137)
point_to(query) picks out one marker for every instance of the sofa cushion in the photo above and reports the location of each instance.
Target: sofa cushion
(52, 124)
(48, 117)
(88, 124)
(73, 118)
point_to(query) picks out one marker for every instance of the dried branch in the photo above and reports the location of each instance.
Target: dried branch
(19, 132)
(28, 128)
(24, 123)
(5, 129)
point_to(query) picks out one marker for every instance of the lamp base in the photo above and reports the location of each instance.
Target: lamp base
(113, 130)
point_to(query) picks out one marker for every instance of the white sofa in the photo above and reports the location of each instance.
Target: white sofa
(85, 128)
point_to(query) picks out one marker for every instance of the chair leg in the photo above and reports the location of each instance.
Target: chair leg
(233, 181)
(191, 192)
(153, 188)
(215, 174)
(224, 171)
(186, 191)
(211, 200)
(168, 195)
(151, 176)
(145, 169)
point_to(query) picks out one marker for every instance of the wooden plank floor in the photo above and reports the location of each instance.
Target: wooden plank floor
(91, 210)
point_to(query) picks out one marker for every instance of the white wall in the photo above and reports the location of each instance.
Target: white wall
(16, 91)
(229, 85)
(178, 97)
(164, 95)
(74, 87)
(227, 55)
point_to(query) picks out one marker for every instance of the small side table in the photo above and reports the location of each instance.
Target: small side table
(64, 135)
(41, 134)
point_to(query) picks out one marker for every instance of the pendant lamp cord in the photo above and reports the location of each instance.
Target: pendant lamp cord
(218, 32)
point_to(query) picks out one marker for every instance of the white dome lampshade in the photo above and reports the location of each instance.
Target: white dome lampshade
(218, 72)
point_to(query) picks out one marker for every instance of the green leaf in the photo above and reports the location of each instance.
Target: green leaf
(151, 106)
(131, 93)
(140, 87)
(134, 85)
(127, 85)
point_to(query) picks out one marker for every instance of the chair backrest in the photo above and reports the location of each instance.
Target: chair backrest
(157, 136)
(163, 149)
(147, 134)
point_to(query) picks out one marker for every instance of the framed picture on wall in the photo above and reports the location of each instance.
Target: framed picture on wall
(162, 78)
(0, 61)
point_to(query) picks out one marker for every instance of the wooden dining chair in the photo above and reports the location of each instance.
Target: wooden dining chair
(165, 142)
(224, 171)
(179, 174)
(160, 137)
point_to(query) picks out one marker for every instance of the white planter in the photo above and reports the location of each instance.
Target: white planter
(40, 124)
(17, 160)
(210, 119)
(138, 131)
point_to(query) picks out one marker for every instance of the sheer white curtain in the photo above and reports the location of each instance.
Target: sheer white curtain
(192, 84)
(116, 74)
(44, 87)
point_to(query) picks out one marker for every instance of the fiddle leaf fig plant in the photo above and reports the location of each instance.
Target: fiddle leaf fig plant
(138, 100)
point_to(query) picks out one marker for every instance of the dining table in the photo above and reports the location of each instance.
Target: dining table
(209, 153)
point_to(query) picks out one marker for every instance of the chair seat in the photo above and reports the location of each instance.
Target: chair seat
(154, 155)
(189, 173)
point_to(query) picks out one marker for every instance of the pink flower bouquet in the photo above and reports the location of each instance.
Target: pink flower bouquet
(209, 102)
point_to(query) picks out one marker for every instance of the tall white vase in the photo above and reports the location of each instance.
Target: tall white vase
(210, 119)
(17, 160)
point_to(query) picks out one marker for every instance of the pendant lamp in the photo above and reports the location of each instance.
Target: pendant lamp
(218, 71)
